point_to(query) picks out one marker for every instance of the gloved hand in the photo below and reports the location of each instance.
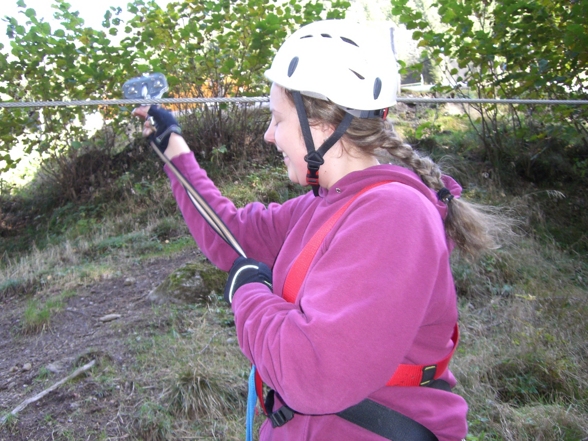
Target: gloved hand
(165, 125)
(246, 271)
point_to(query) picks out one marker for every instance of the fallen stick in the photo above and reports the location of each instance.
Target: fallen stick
(40, 395)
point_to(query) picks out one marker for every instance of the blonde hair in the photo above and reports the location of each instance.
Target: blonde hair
(473, 228)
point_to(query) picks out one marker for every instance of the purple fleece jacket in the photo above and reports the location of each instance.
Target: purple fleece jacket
(378, 293)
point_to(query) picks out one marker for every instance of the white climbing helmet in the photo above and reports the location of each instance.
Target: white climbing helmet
(350, 64)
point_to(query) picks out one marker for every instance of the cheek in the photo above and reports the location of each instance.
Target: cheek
(300, 166)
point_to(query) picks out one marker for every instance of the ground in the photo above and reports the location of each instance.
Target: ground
(85, 407)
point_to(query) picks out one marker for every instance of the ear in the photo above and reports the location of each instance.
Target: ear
(326, 129)
(321, 132)
(340, 147)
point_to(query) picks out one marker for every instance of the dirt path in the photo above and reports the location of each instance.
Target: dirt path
(84, 408)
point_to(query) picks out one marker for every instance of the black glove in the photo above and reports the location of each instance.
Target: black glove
(246, 271)
(165, 125)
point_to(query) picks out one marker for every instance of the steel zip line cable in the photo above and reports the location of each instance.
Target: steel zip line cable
(207, 212)
(141, 101)
(263, 99)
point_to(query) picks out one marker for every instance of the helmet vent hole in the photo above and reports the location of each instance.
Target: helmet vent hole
(293, 66)
(377, 88)
(306, 36)
(357, 75)
(326, 36)
(347, 40)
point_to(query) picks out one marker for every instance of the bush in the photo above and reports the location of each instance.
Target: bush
(220, 134)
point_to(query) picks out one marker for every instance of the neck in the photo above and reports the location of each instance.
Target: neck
(339, 163)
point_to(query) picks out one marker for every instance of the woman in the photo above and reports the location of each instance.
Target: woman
(377, 301)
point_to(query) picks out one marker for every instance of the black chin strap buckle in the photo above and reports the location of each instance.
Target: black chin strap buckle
(314, 161)
(312, 177)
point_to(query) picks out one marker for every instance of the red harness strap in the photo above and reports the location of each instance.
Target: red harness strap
(405, 374)
(259, 392)
(422, 375)
(299, 269)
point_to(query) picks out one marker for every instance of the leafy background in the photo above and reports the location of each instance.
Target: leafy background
(97, 213)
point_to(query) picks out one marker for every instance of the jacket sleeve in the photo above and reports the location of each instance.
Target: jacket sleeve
(360, 310)
(259, 230)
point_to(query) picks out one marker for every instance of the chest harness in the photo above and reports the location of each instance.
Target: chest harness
(367, 414)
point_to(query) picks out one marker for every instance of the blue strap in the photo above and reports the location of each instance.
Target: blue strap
(251, 402)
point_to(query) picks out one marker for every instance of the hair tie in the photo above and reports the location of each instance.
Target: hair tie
(444, 195)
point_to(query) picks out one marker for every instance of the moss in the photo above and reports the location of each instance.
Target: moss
(214, 279)
(193, 282)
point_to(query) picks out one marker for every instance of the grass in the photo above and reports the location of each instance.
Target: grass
(203, 380)
(37, 313)
(43, 374)
(92, 257)
(521, 362)
(11, 420)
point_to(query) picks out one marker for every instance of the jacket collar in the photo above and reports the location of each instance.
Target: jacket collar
(355, 181)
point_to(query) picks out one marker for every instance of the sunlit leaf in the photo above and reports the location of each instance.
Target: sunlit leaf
(219, 48)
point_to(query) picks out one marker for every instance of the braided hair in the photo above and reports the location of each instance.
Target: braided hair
(471, 227)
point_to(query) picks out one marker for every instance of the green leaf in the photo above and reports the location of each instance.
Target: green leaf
(229, 64)
(224, 44)
(412, 25)
(272, 19)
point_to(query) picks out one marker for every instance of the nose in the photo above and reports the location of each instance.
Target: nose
(268, 136)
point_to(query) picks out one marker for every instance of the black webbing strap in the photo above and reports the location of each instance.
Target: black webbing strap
(369, 415)
(314, 157)
(337, 134)
(386, 422)
(303, 119)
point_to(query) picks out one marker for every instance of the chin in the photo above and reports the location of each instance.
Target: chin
(293, 178)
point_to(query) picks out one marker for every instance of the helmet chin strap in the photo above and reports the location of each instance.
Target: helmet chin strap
(315, 157)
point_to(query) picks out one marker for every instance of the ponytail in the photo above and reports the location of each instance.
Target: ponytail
(473, 228)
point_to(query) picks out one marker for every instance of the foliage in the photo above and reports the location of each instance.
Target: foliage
(205, 48)
(69, 63)
(511, 49)
(232, 134)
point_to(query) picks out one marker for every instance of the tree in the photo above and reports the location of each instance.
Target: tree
(511, 49)
(205, 48)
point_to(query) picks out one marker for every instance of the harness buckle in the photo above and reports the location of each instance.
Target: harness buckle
(428, 374)
(312, 177)
(281, 416)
